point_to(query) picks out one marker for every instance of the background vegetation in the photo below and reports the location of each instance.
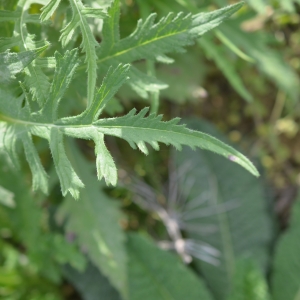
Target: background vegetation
(222, 233)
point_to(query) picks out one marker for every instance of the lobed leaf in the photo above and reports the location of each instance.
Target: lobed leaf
(152, 40)
(49, 9)
(68, 178)
(134, 128)
(137, 130)
(79, 18)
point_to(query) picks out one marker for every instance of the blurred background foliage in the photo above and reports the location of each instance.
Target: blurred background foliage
(238, 236)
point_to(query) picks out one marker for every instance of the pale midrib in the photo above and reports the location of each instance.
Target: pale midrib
(61, 126)
(99, 61)
(27, 123)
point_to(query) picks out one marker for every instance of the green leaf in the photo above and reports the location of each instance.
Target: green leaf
(230, 203)
(6, 15)
(65, 69)
(249, 282)
(286, 266)
(134, 128)
(80, 14)
(157, 274)
(99, 216)
(68, 178)
(91, 284)
(138, 129)
(36, 80)
(151, 41)
(26, 220)
(8, 42)
(49, 9)
(110, 85)
(13, 63)
(40, 178)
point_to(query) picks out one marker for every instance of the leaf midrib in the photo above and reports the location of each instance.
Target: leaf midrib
(99, 61)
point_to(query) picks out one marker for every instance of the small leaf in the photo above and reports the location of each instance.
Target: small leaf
(105, 164)
(40, 178)
(49, 9)
(68, 178)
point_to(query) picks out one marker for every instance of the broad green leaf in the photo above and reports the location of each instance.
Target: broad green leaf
(156, 274)
(286, 267)
(91, 284)
(95, 222)
(227, 201)
(248, 282)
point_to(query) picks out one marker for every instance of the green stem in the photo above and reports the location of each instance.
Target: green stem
(154, 95)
